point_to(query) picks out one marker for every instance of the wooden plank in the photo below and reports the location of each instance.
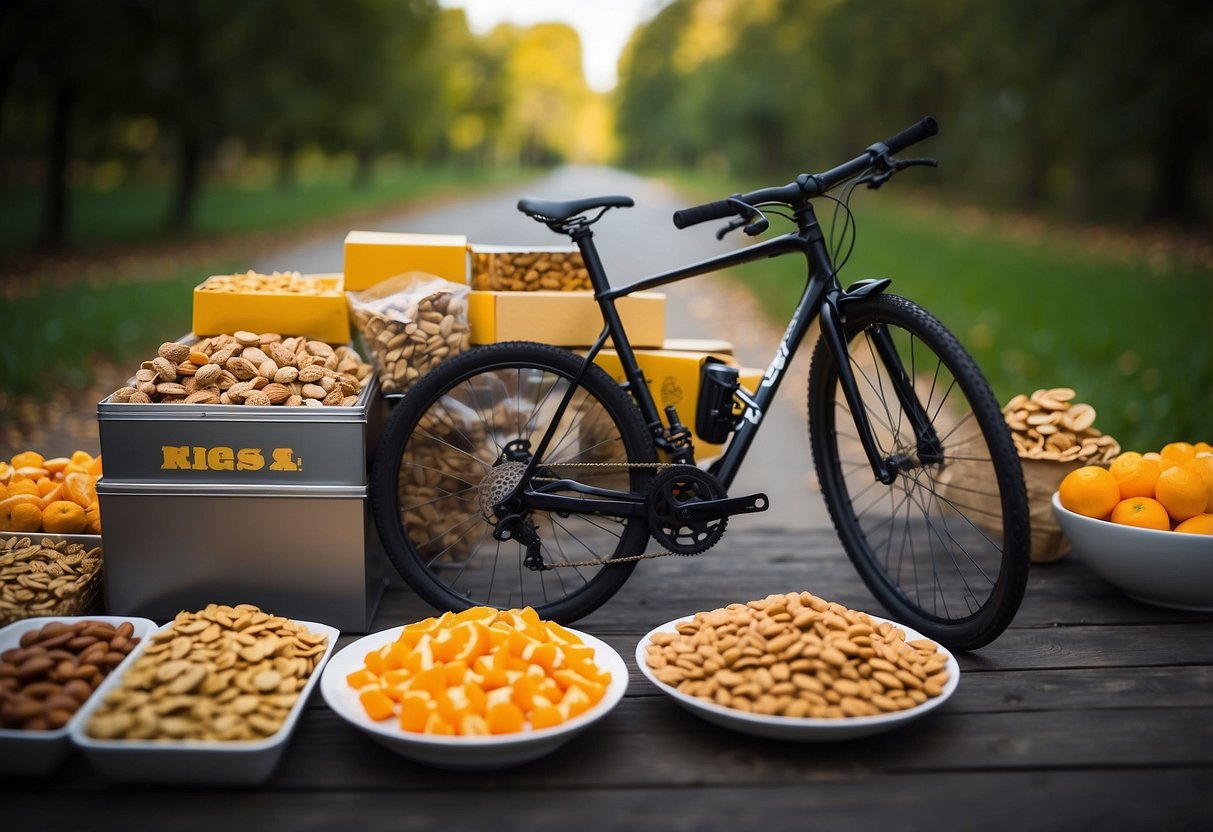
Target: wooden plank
(1104, 800)
(1108, 800)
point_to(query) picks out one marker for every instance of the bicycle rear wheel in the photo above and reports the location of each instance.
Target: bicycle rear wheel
(945, 547)
(443, 459)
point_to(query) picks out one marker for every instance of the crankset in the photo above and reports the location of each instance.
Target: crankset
(689, 509)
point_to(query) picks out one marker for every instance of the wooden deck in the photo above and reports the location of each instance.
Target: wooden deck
(1092, 711)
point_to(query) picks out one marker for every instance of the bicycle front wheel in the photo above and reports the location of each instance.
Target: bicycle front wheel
(944, 547)
(445, 458)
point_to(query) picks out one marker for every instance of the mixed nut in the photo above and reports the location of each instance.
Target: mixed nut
(410, 337)
(222, 673)
(501, 269)
(45, 680)
(1045, 425)
(251, 369)
(47, 578)
(798, 655)
(289, 283)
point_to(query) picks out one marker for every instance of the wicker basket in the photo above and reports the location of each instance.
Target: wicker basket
(1041, 479)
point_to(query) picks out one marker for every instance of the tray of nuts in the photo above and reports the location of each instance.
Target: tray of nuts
(797, 667)
(211, 698)
(528, 268)
(49, 668)
(49, 575)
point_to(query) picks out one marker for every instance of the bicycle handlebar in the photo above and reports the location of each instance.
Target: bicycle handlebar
(806, 185)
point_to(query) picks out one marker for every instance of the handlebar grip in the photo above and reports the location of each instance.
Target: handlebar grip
(913, 134)
(702, 213)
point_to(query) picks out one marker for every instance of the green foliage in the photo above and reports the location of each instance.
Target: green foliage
(1085, 109)
(1129, 332)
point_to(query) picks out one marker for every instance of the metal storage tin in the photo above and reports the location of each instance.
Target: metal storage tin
(305, 552)
(236, 444)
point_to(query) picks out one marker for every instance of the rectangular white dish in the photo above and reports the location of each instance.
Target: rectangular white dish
(41, 752)
(195, 762)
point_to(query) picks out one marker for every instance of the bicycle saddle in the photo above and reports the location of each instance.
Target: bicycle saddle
(547, 210)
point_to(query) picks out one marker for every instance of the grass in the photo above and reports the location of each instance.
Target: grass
(1130, 328)
(135, 213)
(116, 302)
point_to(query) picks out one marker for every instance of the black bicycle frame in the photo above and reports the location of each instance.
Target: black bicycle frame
(821, 298)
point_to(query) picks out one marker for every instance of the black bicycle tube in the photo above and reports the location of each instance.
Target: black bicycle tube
(816, 283)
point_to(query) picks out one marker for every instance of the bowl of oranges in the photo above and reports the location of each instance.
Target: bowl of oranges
(474, 690)
(1145, 523)
(56, 496)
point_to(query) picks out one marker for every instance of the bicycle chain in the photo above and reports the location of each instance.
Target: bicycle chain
(612, 561)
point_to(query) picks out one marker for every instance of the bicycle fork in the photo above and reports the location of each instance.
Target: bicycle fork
(928, 447)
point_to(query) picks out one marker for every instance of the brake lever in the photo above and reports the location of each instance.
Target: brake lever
(758, 226)
(890, 166)
(732, 226)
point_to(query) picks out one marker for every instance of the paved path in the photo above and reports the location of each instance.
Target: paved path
(633, 243)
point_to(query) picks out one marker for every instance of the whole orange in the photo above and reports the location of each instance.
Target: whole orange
(1200, 524)
(63, 517)
(92, 516)
(1176, 453)
(1142, 512)
(1182, 491)
(28, 459)
(1203, 466)
(20, 516)
(1135, 475)
(1091, 491)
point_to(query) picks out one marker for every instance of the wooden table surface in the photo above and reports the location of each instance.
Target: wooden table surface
(1092, 710)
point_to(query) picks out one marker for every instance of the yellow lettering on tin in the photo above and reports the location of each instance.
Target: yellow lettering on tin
(220, 459)
(175, 458)
(285, 461)
(249, 459)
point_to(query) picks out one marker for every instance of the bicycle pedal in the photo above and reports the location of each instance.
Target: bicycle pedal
(725, 507)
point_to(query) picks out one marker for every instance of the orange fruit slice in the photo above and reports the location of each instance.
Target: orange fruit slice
(1142, 512)
(24, 486)
(80, 488)
(6, 471)
(28, 459)
(1182, 491)
(505, 718)
(1091, 491)
(378, 705)
(1200, 524)
(93, 515)
(56, 465)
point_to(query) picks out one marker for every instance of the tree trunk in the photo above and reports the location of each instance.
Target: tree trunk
(189, 167)
(364, 173)
(286, 165)
(1174, 154)
(54, 220)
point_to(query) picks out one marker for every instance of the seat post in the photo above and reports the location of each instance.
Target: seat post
(584, 238)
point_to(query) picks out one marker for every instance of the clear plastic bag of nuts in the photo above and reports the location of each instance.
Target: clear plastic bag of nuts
(410, 323)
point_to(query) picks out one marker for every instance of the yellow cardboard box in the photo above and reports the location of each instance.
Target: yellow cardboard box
(323, 316)
(565, 319)
(372, 256)
(673, 379)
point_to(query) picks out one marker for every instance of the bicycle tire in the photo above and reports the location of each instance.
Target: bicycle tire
(945, 547)
(447, 433)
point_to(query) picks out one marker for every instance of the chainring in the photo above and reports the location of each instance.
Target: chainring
(673, 488)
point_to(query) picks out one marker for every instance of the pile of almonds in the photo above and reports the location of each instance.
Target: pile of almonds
(528, 271)
(55, 668)
(798, 655)
(289, 283)
(1045, 425)
(47, 578)
(222, 673)
(409, 338)
(251, 369)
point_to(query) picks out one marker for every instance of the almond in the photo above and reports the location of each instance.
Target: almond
(314, 391)
(286, 375)
(311, 373)
(174, 352)
(256, 398)
(276, 393)
(208, 374)
(241, 368)
(167, 369)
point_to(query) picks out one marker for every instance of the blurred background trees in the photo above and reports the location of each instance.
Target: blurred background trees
(1088, 109)
(1080, 109)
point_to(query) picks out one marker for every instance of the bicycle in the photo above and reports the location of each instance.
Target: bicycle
(521, 473)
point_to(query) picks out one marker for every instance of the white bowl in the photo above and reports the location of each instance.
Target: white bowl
(41, 752)
(1169, 569)
(803, 729)
(463, 753)
(195, 762)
